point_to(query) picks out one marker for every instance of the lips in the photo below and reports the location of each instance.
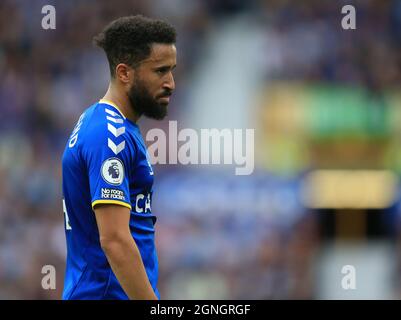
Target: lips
(165, 98)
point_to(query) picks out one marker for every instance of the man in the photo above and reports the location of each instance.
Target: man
(107, 178)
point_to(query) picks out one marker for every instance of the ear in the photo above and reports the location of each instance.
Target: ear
(124, 73)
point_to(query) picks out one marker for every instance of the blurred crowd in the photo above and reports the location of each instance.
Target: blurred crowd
(213, 242)
(311, 44)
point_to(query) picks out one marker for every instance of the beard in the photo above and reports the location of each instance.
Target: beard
(143, 103)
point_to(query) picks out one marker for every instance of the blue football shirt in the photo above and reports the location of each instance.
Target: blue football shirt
(105, 161)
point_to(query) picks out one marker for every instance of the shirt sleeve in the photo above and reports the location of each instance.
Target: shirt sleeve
(108, 160)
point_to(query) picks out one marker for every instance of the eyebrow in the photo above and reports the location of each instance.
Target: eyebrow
(166, 66)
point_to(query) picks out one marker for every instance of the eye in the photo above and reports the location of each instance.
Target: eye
(162, 70)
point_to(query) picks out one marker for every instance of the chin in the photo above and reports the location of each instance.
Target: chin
(158, 116)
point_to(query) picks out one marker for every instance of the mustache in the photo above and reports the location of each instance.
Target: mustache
(165, 93)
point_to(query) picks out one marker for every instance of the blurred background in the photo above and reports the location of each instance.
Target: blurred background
(325, 104)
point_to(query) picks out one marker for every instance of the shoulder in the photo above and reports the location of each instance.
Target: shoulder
(106, 128)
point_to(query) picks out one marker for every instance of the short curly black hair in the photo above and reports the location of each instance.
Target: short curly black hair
(128, 39)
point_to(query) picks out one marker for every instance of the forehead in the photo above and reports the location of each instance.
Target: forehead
(165, 54)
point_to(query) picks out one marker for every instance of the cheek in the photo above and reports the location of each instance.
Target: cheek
(154, 88)
(150, 85)
(130, 87)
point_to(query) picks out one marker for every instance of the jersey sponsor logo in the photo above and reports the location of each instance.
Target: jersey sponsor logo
(143, 203)
(112, 194)
(113, 171)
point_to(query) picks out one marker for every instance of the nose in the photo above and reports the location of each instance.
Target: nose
(169, 83)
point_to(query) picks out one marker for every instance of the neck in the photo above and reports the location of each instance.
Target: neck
(120, 99)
